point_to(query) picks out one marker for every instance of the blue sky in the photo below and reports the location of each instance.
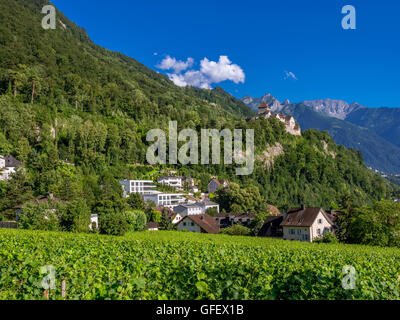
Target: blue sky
(263, 40)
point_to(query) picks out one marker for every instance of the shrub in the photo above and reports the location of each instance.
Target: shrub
(113, 223)
(212, 211)
(42, 216)
(328, 237)
(236, 230)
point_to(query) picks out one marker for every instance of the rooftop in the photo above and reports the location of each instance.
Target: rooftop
(205, 222)
(303, 217)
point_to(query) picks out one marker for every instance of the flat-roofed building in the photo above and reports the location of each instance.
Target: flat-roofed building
(143, 187)
(169, 200)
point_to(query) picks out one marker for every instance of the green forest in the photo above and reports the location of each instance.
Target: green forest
(76, 115)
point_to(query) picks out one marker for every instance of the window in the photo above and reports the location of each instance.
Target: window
(319, 231)
(320, 221)
(184, 224)
(292, 231)
(299, 231)
(192, 224)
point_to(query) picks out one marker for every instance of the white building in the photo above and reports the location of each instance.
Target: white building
(143, 187)
(196, 208)
(208, 204)
(171, 181)
(8, 166)
(189, 209)
(169, 200)
(306, 224)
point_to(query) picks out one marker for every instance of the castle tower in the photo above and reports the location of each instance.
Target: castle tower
(264, 109)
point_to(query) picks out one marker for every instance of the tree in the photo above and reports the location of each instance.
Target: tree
(378, 224)
(165, 222)
(76, 217)
(18, 77)
(155, 216)
(258, 222)
(42, 216)
(113, 223)
(135, 201)
(18, 191)
(212, 211)
(136, 219)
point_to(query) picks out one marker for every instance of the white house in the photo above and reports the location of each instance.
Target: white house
(143, 187)
(171, 181)
(8, 166)
(170, 200)
(306, 224)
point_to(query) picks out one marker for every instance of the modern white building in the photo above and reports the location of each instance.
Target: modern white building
(143, 187)
(196, 208)
(171, 181)
(169, 200)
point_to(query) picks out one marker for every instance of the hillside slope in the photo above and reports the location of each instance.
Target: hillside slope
(384, 121)
(66, 59)
(378, 153)
(374, 132)
(77, 116)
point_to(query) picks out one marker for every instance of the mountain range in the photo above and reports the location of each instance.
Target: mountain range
(373, 131)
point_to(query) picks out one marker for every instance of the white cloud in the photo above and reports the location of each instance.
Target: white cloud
(210, 72)
(222, 70)
(177, 65)
(290, 75)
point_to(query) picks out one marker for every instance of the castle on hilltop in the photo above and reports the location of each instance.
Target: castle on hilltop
(264, 111)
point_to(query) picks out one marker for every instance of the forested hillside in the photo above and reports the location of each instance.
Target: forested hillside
(378, 152)
(77, 115)
(383, 121)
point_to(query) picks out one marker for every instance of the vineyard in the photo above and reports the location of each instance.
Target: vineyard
(171, 265)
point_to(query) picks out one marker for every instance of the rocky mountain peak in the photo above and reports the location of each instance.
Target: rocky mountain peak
(333, 108)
